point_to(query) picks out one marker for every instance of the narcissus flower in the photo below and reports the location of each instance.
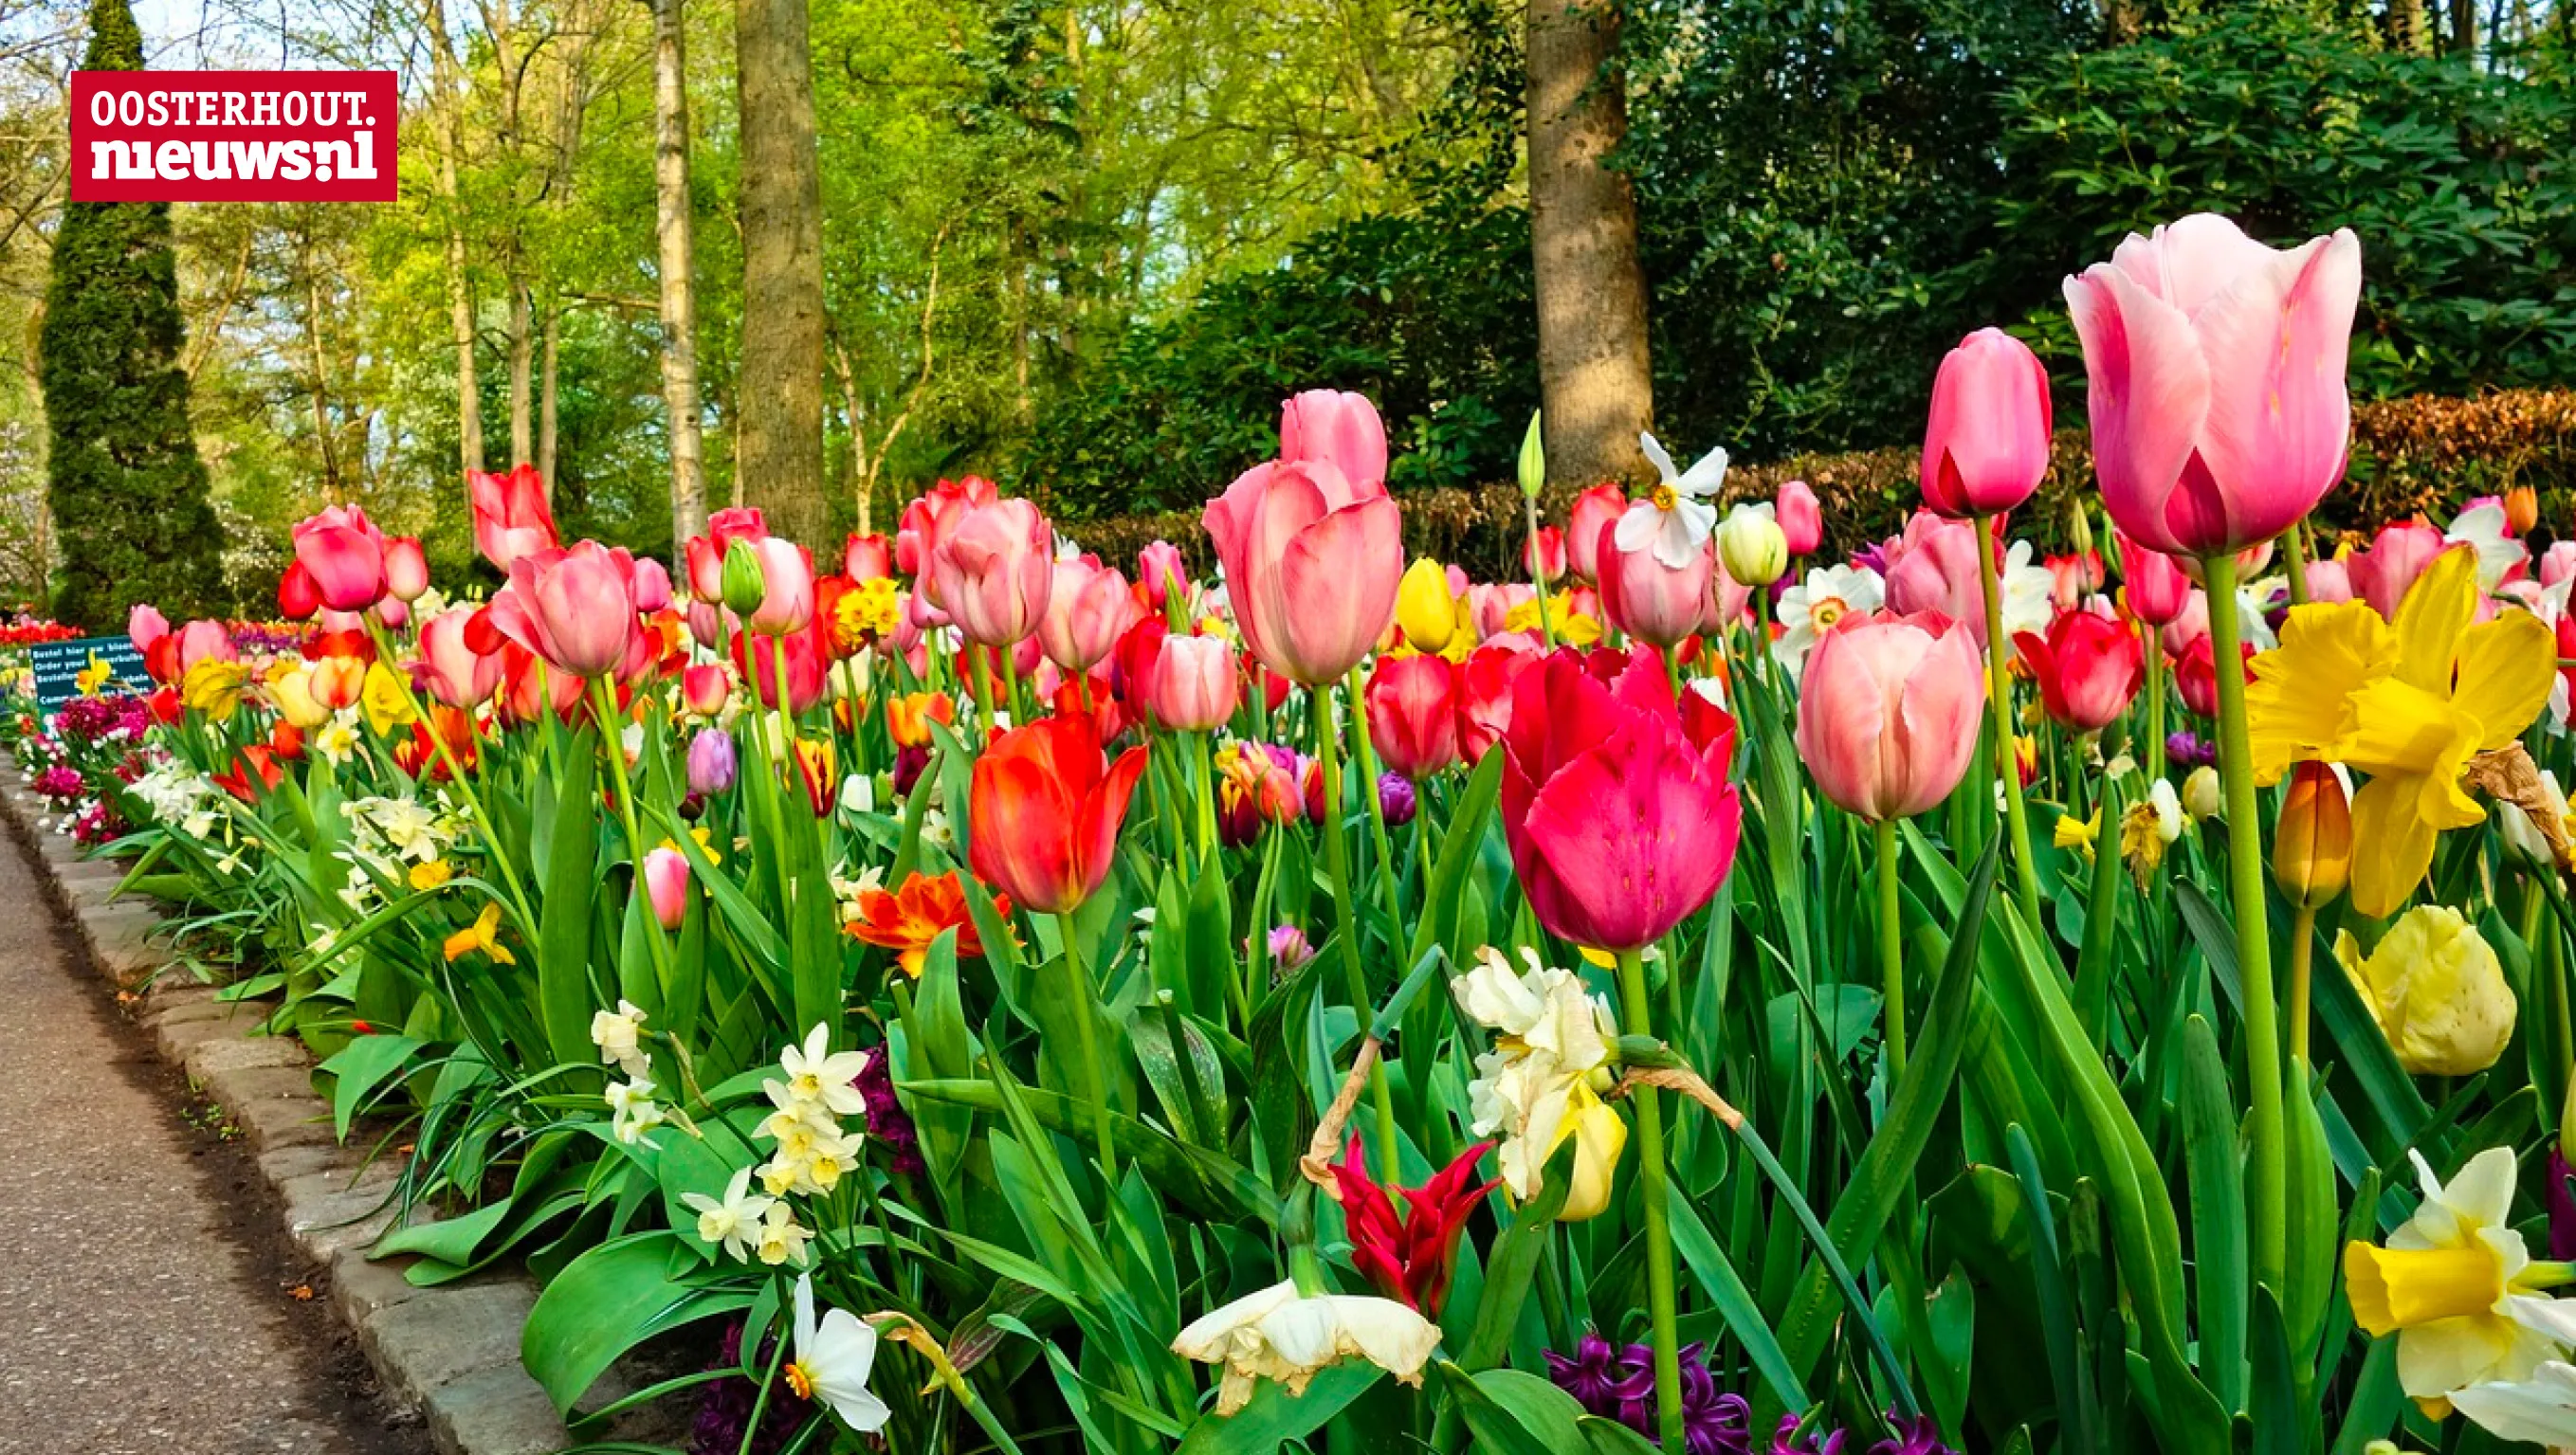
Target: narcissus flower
(2541, 1409)
(484, 935)
(1044, 810)
(1410, 1260)
(731, 1222)
(818, 1076)
(1282, 1335)
(911, 919)
(2437, 991)
(2409, 702)
(619, 1036)
(834, 1356)
(1676, 518)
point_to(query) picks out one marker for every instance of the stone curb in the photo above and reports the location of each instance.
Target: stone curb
(451, 1351)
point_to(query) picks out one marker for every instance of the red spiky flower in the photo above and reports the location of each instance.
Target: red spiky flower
(1410, 1261)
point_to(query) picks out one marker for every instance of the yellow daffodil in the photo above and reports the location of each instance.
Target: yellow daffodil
(1572, 627)
(94, 676)
(706, 841)
(431, 875)
(214, 687)
(1599, 1134)
(2457, 1287)
(871, 607)
(387, 706)
(2079, 834)
(484, 935)
(2437, 991)
(2148, 827)
(2409, 702)
(1424, 606)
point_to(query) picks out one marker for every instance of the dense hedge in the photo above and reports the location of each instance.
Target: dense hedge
(2422, 454)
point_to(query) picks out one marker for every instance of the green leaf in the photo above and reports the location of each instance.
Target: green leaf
(1273, 1417)
(358, 1069)
(1511, 1269)
(448, 1240)
(564, 921)
(606, 1302)
(1512, 1412)
(2217, 1212)
(1725, 1288)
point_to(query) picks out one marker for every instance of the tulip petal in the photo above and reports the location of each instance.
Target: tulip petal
(2198, 256)
(1337, 581)
(2279, 418)
(2149, 394)
(1645, 828)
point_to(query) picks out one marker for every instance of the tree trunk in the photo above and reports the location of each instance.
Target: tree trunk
(779, 456)
(1595, 380)
(460, 286)
(2464, 27)
(676, 230)
(546, 397)
(2407, 30)
(523, 353)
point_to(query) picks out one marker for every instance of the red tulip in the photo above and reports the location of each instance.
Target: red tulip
(755, 656)
(406, 569)
(1646, 598)
(1193, 684)
(705, 688)
(1888, 710)
(1543, 555)
(2383, 574)
(574, 606)
(2196, 674)
(1088, 608)
(1312, 560)
(1986, 448)
(254, 774)
(1338, 428)
(1411, 1261)
(2152, 582)
(298, 598)
(345, 554)
(1801, 522)
(1615, 797)
(1043, 812)
(449, 668)
(1413, 714)
(1482, 690)
(2215, 368)
(927, 521)
(2088, 668)
(867, 558)
(511, 516)
(705, 555)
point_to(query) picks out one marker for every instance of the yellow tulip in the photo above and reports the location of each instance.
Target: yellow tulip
(2312, 842)
(1424, 607)
(2409, 702)
(2437, 991)
(292, 690)
(214, 688)
(1600, 1134)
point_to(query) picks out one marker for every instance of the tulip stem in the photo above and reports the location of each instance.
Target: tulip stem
(2155, 655)
(1999, 700)
(2267, 1200)
(2303, 934)
(612, 742)
(1337, 858)
(1636, 1018)
(456, 774)
(1538, 570)
(1364, 758)
(1086, 1006)
(2294, 545)
(1891, 948)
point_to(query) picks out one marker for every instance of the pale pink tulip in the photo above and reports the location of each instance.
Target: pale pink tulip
(449, 668)
(666, 884)
(2397, 555)
(1933, 568)
(573, 606)
(1888, 711)
(1591, 510)
(344, 553)
(1646, 598)
(1088, 609)
(1340, 428)
(786, 587)
(1194, 686)
(406, 568)
(996, 572)
(1312, 560)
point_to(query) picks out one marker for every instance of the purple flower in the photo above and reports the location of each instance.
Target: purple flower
(1594, 1375)
(2184, 750)
(1289, 949)
(1787, 1441)
(909, 765)
(712, 765)
(887, 1120)
(1871, 557)
(1917, 1436)
(724, 1412)
(1395, 798)
(2562, 1210)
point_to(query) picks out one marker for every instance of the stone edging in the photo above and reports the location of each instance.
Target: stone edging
(451, 1351)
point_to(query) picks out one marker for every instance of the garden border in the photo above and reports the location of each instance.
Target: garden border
(450, 1352)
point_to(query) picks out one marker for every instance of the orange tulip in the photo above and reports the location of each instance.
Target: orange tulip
(1044, 810)
(911, 919)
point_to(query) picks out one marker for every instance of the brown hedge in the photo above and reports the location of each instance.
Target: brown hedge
(2424, 453)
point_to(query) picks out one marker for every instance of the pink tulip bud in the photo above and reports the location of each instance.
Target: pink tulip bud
(1413, 714)
(406, 569)
(652, 585)
(2397, 555)
(1888, 710)
(1592, 509)
(1088, 609)
(867, 558)
(1160, 570)
(787, 586)
(1195, 687)
(511, 515)
(1327, 424)
(666, 882)
(1987, 446)
(145, 625)
(1800, 519)
(996, 571)
(2153, 583)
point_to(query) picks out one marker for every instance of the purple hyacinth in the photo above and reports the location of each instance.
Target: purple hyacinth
(1619, 1384)
(1594, 1375)
(1917, 1436)
(887, 1120)
(2187, 750)
(1787, 1441)
(1395, 798)
(724, 1411)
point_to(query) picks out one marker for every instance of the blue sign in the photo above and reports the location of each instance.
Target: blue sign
(59, 666)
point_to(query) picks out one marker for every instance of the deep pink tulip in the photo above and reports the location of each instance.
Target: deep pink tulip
(1193, 686)
(1160, 569)
(1801, 521)
(344, 553)
(2088, 668)
(205, 641)
(449, 668)
(808, 659)
(996, 572)
(1615, 798)
(1986, 447)
(867, 558)
(2397, 555)
(2216, 374)
(511, 515)
(1337, 427)
(406, 568)
(1646, 598)
(1482, 689)
(1543, 555)
(1312, 560)
(145, 625)
(1888, 711)
(1413, 714)
(652, 585)
(572, 605)
(2152, 582)
(1088, 608)
(1583, 522)
(1934, 569)
(927, 521)
(705, 554)
(666, 884)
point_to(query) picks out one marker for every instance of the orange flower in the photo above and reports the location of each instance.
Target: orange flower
(909, 920)
(909, 716)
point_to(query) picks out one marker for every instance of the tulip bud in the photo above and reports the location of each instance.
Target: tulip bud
(2437, 990)
(2200, 793)
(666, 883)
(1752, 546)
(1424, 607)
(744, 583)
(297, 596)
(1396, 799)
(2521, 509)
(711, 761)
(1289, 949)
(1802, 521)
(1533, 461)
(2312, 842)
(406, 569)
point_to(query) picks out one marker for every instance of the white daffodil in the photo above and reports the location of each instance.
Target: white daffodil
(732, 1222)
(632, 1109)
(1279, 1334)
(619, 1036)
(337, 740)
(2167, 807)
(832, 1361)
(1809, 609)
(811, 1159)
(2458, 1288)
(781, 1238)
(816, 1073)
(1544, 1010)
(2541, 1409)
(1676, 518)
(2483, 528)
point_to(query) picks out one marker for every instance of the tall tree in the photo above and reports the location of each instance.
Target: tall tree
(127, 490)
(446, 78)
(676, 262)
(778, 454)
(1594, 378)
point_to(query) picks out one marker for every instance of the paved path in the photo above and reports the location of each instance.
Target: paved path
(144, 1299)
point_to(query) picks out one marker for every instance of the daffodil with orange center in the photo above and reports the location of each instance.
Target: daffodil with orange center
(2410, 702)
(484, 935)
(911, 919)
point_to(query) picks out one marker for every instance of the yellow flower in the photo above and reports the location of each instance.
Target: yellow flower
(1424, 607)
(432, 875)
(2456, 1285)
(290, 686)
(388, 707)
(2437, 991)
(706, 840)
(2312, 839)
(870, 608)
(214, 688)
(94, 676)
(2151, 824)
(1572, 627)
(484, 935)
(1600, 1134)
(2079, 834)
(2408, 702)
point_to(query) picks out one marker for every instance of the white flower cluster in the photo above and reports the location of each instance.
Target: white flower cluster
(179, 797)
(1552, 1042)
(391, 838)
(821, 1088)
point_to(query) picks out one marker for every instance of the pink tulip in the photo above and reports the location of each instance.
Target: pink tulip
(1312, 560)
(928, 520)
(1986, 448)
(666, 883)
(1159, 569)
(1646, 598)
(573, 606)
(705, 555)
(1194, 687)
(2189, 625)
(2558, 563)
(867, 558)
(2216, 374)
(652, 585)
(2329, 581)
(1615, 797)
(205, 641)
(1490, 604)
(755, 657)
(705, 687)
(2088, 667)
(1543, 555)
(344, 553)
(1413, 714)
(406, 569)
(393, 611)
(145, 625)
(786, 586)
(2152, 582)
(996, 572)
(1888, 711)
(1339, 428)
(1482, 688)
(511, 516)
(449, 668)
(1583, 522)
(1088, 609)
(1934, 569)
(1801, 521)
(2397, 555)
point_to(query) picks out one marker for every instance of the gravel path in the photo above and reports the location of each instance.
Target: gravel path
(146, 1302)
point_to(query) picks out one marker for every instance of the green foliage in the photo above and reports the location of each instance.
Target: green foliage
(126, 488)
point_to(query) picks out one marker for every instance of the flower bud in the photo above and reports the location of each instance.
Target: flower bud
(2437, 990)
(1600, 1135)
(2200, 793)
(711, 761)
(2312, 841)
(1752, 546)
(745, 585)
(1424, 607)
(1533, 461)
(2521, 509)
